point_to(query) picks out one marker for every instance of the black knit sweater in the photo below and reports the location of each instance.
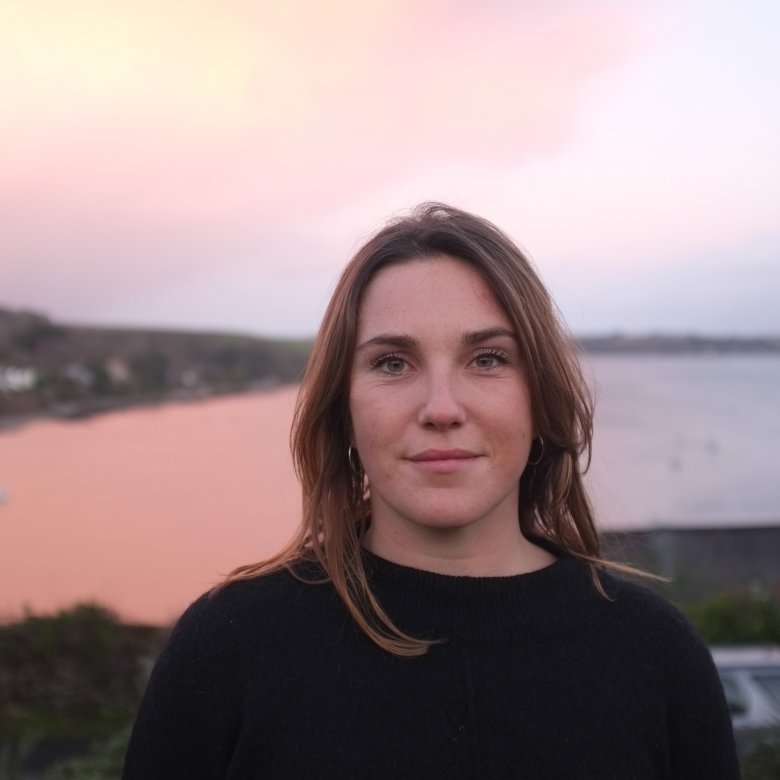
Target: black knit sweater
(539, 676)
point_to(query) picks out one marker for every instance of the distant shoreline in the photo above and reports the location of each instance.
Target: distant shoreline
(679, 344)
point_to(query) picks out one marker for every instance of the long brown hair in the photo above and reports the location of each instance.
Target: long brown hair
(554, 506)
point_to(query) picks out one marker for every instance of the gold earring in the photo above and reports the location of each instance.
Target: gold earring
(354, 461)
(541, 453)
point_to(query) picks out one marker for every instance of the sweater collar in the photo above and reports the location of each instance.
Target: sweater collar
(534, 606)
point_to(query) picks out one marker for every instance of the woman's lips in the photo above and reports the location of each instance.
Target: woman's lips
(443, 461)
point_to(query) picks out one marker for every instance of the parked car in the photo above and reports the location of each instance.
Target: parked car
(751, 682)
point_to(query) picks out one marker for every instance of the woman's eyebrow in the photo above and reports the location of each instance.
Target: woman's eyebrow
(404, 341)
(478, 336)
(397, 340)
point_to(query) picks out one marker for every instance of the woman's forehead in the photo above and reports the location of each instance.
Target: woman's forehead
(430, 291)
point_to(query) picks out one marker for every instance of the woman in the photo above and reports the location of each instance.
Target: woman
(443, 610)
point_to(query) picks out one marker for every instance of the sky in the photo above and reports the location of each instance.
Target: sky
(213, 164)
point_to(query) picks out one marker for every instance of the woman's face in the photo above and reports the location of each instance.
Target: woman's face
(439, 401)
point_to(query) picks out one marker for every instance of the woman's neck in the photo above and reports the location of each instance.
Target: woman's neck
(456, 552)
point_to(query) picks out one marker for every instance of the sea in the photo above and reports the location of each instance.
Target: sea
(141, 510)
(686, 440)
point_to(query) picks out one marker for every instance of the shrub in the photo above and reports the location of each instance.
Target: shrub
(738, 617)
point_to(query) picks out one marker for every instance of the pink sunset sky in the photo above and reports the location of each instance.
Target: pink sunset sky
(211, 164)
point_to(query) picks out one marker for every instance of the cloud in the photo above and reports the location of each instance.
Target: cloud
(147, 144)
(153, 109)
(731, 290)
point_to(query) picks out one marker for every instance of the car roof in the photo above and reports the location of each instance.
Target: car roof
(746, 655)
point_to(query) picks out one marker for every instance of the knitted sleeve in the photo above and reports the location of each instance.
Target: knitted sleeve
(190, 713)
(701, 736)
(697, 724)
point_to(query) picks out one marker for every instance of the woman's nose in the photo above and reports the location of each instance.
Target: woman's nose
(441, 406)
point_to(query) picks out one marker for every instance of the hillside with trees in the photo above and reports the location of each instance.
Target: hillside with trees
(72, 371)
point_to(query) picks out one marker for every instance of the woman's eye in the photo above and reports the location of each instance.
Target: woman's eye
(390, 364)
(492, 359)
